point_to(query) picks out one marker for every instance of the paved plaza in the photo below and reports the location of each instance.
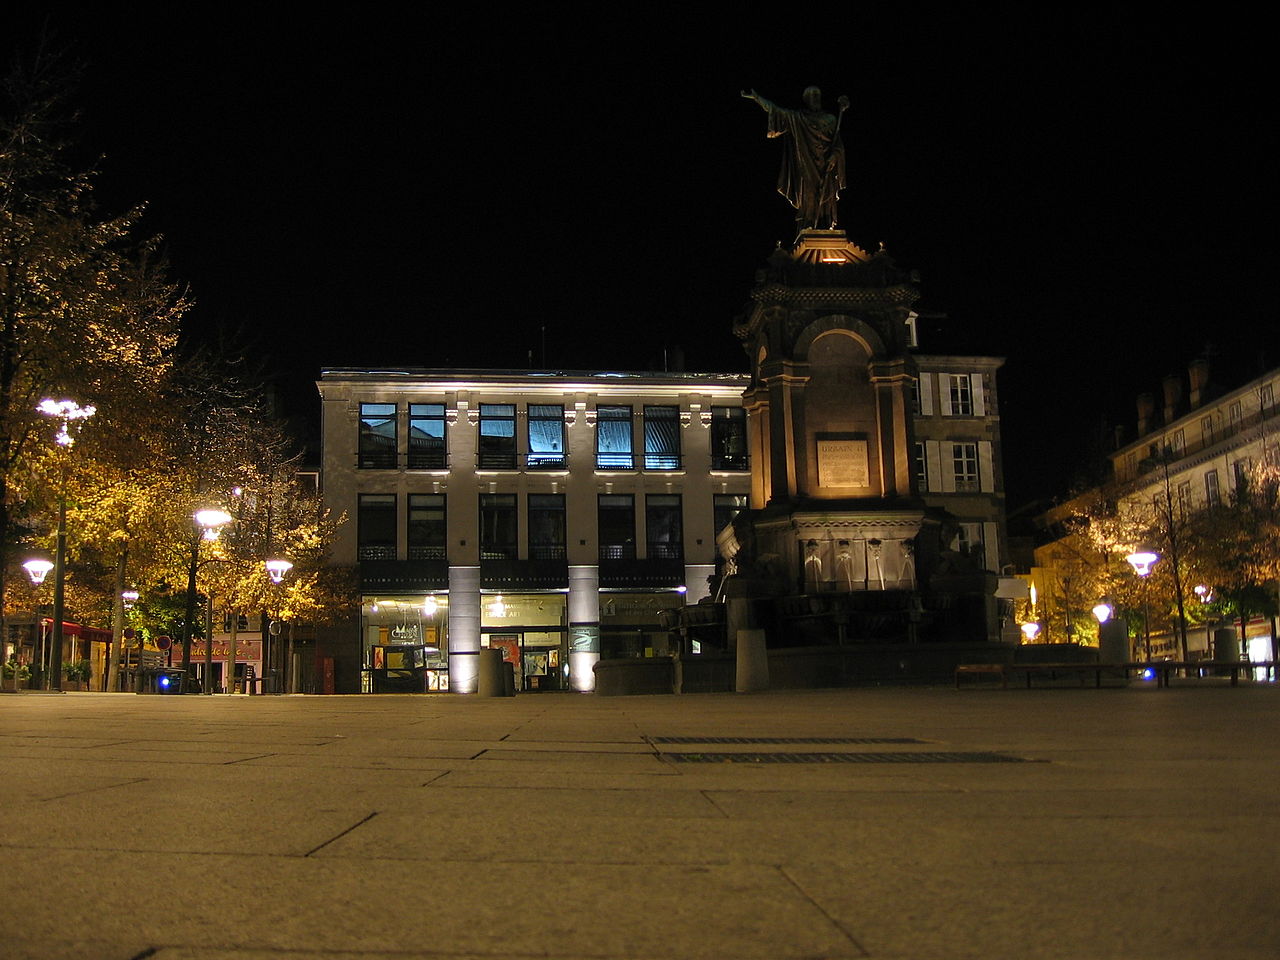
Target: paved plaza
(919, 823)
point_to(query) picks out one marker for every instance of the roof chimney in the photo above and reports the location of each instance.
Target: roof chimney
(1146, 413)
(1172, 397)
(1198, 374)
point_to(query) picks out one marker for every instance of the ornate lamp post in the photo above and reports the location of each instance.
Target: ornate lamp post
(1205, 596)
(208, 522)
(1142, 561)
(37, 569)
(280, 659)
(67, 413)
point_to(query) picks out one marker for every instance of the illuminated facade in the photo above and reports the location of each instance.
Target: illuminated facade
(552, 514)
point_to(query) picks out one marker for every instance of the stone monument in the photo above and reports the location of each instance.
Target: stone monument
(829, 410)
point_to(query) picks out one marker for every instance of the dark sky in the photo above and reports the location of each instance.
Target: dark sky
(1091, 195)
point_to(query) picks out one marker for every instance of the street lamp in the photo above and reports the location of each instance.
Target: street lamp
(67, 413)
(37, 569)
(1205, 596)
(209, 522)
(1142, 561)
(276, 569)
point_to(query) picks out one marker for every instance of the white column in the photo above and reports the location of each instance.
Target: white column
(584, 625)
(464, 628)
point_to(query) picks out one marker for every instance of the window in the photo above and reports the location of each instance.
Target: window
(726, 506)
(1240, 474)
(1234, 416)
(662, 438)
(613, 438)
(1177, 443)
(426, 436)
(1212, 497)
(546, 526)
(616, 525)
(498, 525)
(964, 460)
(426, 526)
(969, 541)
(961, 392)
(1206, 431)
(917, 408)
(664, 527)
(728, 438)
(377, 436)
(920, 467)
(497, 436)
(1266, 397)
(1184, 498)
(376, 526)
(546, 435)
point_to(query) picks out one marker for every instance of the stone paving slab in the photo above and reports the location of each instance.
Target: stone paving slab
(239, 828)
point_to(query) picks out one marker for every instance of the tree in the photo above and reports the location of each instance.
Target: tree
(84, 308)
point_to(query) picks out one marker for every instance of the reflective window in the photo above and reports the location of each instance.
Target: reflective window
(377, 436)
(961, 395)
(613, 438)
(426, 436)
(546, 526)
(497, 436)
(662, 438)
(546, 435)
(616, 526)
(376, 526)
(728, 438)
(427, 530)
(726, 506)
(964, 459)
(664, 527)
(498, 526)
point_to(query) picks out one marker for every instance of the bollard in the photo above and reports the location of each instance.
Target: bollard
(489, 682)
(753, 662)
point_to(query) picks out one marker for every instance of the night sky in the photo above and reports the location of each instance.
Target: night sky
(1091, 195)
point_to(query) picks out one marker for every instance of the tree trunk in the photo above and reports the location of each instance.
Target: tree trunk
(117, 621)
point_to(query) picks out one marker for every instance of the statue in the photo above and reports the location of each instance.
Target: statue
(812, 172)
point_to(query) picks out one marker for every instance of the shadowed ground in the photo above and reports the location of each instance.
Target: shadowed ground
(977, 823)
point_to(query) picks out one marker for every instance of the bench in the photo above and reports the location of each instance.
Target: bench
(1161, 670)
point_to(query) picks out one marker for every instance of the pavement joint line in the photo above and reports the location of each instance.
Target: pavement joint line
(862, 951)
(442, 773)
(259, 756)
(714, 806)
(340, 835)
(105, 786)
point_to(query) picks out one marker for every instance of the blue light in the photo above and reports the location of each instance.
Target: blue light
(164, 681)
(1148, 674)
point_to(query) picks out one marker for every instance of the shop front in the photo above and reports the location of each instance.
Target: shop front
(531, 631)
(406, 644)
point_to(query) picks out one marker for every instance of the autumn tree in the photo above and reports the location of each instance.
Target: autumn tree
(85, 308)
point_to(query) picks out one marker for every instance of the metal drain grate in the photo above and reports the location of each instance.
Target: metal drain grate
(922, 757)
(787, 740)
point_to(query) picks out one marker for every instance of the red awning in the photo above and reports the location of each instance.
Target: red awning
(79, 631)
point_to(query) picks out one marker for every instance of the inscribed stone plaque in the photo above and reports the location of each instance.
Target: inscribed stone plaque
(843, 463)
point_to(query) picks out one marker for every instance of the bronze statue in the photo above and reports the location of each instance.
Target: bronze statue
(812, 172)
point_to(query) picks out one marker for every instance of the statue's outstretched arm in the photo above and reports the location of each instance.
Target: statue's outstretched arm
(765, 105)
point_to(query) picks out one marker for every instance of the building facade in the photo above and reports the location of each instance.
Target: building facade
(561, 515)
(553, 514)
(1196, 446)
